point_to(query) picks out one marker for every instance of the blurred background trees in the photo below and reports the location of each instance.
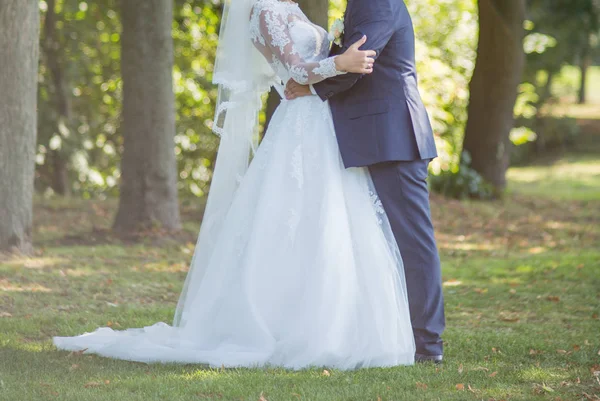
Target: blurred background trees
(93, 142)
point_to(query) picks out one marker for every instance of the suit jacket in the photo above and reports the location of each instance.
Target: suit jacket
(379, 117)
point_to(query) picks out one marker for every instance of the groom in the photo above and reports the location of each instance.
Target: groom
(382, 123)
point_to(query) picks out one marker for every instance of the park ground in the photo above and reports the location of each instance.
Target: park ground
(521, 280)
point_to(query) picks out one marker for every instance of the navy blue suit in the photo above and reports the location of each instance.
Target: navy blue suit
(381, 123)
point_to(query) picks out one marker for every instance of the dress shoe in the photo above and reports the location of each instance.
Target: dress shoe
(436, 359)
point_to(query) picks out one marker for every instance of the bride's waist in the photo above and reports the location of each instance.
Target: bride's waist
(304, 100)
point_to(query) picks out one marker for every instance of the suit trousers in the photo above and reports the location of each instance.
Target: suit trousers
(402, 189)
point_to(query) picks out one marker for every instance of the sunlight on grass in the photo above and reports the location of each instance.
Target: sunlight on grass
(7, 286)
(33, 263)
(538, 375)
(578, 111)
(564, 179)
(201, 374)
(521, 279)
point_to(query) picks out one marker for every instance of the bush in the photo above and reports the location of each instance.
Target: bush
(552, 134)
(461, 182)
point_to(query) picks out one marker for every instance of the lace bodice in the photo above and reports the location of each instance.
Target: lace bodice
(295, 47)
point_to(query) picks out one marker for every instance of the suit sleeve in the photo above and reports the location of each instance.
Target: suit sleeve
(377, 23)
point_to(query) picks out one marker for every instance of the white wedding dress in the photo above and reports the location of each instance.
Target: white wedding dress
(305, 271)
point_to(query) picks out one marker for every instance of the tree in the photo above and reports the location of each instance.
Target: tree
(317, 11)
(19, 44)
(497, 74)
(149, 174)
(52, 55)
(573, 26)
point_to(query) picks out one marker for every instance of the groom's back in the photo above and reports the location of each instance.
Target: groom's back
(382, 118)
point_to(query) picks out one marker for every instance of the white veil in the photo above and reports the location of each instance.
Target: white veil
(243, 76)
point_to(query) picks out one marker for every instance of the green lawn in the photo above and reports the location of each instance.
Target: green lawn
(570, 177)
(522, 285)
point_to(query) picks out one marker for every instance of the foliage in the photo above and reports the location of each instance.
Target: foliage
(88, 42)
(89, 52)
(544, 134)
(89, 48)
(461, 182)
(521, 280)
(446, 34)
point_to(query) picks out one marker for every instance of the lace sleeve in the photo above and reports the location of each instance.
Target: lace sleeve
(271, 34)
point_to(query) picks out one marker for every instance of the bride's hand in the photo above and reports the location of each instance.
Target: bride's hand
(356, 60)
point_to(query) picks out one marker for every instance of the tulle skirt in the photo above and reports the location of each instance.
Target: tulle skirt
(305, 271)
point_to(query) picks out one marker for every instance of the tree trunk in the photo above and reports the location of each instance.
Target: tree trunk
(498, 72)
(318, 12)
(149, 171)
(584, 64)
(51, 48)
(19, 44)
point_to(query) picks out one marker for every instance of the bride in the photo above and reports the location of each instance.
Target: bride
(296, 265)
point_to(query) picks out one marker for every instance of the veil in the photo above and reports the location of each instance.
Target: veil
(243, 76)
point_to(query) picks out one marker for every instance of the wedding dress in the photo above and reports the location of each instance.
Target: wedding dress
(304, 270)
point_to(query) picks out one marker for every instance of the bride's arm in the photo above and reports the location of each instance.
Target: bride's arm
(275, 41)
(277, 45)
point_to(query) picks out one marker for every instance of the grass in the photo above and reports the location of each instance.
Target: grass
(568, 177)
(521, 279)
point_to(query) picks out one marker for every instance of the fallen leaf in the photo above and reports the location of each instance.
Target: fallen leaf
(5, 314)
(509, 318)
(326, 373)
(460, 368)
(77, 353)
(471, 389)
(460, 387)
(91, 385)
(493, 374)
(262, 398)
(563, 352)
(535, 352)
(422, 386)
(73, 367)
(106, 381)
(595, 316)
(482, 368)
(542, 388)
(553, 298)
(576, 347)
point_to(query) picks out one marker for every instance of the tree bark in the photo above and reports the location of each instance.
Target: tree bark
(149, 171)
(318, 12)
(584, 64)
(19, 45)
(498, 72)
(51, 49)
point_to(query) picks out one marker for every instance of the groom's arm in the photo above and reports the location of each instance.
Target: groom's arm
(373, 18)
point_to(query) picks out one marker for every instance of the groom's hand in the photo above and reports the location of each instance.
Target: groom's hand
(294, 90)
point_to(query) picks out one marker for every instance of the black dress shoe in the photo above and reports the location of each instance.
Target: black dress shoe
(436, 359)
